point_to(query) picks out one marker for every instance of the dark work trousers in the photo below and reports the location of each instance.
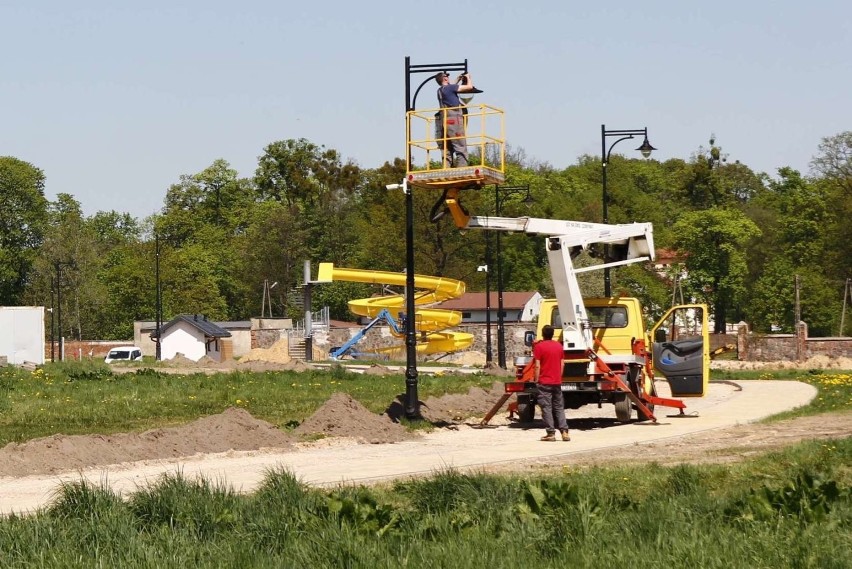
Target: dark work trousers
(453, 141)
(552, 408)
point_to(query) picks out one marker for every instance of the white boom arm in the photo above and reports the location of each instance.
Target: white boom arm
(628, 243)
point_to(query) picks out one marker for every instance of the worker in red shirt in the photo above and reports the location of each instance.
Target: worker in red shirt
(548, 355)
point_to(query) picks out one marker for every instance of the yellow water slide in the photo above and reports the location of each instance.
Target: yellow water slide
(431, 323)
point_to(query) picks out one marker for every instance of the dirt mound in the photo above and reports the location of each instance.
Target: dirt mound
(342, 416)
(233, 429)
(452, 408)
(379, 370)
(457, 407)
(180, 360)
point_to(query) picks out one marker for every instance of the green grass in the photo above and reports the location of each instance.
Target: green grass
(87, 397)
(784, 509)
(787, 509)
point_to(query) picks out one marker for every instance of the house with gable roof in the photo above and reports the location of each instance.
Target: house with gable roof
(193, 336)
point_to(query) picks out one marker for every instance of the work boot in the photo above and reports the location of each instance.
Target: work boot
(566, 436)
(549, 437)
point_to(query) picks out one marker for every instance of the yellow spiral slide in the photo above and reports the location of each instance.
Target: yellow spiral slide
(431, 322)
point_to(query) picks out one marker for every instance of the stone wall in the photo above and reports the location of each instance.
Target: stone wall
(381, 337)
(789, 347)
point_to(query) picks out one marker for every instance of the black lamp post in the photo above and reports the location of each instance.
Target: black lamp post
(52, 319)
(158, 297)
(412, 402)
(500, 194)
(489, 359)
(645, 149)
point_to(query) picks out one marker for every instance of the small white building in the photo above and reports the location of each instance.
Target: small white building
(517, 306)
(22, 334)
(195, 337)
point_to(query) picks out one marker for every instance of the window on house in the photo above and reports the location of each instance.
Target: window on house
(465, 314)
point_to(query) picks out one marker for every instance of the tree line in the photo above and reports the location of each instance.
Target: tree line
(743, 239)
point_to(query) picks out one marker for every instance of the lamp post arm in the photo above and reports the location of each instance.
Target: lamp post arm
(609, 152)
(417, 91)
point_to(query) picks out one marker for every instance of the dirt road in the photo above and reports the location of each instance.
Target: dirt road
(723, 429)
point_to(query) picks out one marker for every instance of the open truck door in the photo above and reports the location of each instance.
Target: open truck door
(681, 349)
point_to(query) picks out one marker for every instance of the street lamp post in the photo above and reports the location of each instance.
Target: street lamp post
(645, 149)
(504, 191)
(489, 359)
(52, 319)
(412, 402)
(158, 297)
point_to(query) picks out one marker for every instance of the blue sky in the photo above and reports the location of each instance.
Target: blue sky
(115, 103)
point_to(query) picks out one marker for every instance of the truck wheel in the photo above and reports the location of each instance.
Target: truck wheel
(623, 408)
(526, 409)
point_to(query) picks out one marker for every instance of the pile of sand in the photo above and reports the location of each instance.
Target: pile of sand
(233, 429)
(469, 358)
(276, 353)
(342, 416)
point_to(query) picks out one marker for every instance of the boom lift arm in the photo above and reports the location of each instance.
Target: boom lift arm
(623, 244)
(628, 243)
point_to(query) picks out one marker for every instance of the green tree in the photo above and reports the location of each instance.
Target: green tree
(23, 215)
(714, 241)
(68, 263)
(834, 160)
(273, 248)
(128, 279)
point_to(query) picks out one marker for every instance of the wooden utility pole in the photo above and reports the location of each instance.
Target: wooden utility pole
(847, 293)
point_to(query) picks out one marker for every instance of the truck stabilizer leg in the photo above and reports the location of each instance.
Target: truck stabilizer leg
(494, 409)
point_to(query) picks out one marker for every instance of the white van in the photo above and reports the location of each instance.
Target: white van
(124, 354)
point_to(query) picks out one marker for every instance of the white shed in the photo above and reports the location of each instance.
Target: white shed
(22, 334)
(193, 336)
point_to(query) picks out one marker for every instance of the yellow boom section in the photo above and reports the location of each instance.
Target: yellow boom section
(431, 323)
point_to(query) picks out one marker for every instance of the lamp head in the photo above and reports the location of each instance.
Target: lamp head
(646, 148)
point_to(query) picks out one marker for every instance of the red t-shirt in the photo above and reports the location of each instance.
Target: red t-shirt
(549, 353)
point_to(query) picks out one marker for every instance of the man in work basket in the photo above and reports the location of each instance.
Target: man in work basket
(449, 122)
